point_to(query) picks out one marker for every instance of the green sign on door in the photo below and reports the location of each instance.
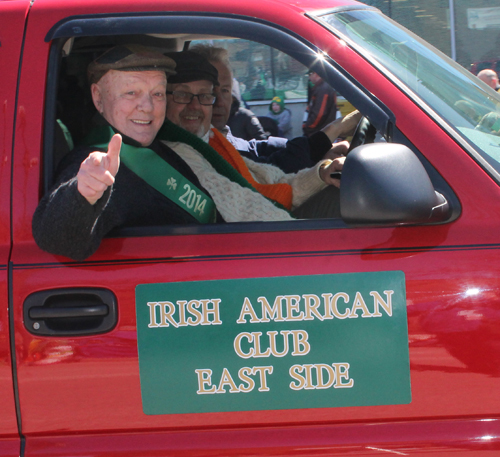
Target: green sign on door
(273, 343)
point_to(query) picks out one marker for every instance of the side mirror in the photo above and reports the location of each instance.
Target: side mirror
(386, 183)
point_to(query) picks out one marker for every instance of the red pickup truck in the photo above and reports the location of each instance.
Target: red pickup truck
(377, 333)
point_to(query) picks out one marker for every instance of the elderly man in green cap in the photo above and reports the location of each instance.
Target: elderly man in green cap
(123, 175)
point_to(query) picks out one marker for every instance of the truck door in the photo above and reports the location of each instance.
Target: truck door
(12, 22)
(82, 387)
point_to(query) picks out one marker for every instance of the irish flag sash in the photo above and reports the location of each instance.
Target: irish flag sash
(278, 194)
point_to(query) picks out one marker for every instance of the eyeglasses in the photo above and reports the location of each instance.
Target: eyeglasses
(184, 98)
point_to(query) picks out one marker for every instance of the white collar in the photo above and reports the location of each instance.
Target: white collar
(206, 137)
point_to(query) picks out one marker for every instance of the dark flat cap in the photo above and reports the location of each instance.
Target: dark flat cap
(131, 57)
(192, 67)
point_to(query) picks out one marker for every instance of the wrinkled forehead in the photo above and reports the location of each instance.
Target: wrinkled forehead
(149, 78)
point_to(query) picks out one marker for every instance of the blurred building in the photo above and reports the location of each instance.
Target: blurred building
(467, 31)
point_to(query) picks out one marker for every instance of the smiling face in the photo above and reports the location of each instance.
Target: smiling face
(222, 106)
(133, 102)
(193, 117)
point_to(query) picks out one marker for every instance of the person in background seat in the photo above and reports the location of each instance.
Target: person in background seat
(290, 156)
(243, 122)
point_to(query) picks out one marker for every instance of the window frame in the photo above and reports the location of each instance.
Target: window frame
(223, 25)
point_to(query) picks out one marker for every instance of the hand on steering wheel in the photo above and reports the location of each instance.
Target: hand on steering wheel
(365, 133)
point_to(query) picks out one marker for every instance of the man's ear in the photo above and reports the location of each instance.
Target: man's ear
(95, 90)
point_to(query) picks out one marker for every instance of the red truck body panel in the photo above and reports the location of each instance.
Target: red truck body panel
(81, 396)
(12, 18)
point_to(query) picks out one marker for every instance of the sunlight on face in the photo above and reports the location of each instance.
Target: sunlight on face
(133, 102)
(222, 107)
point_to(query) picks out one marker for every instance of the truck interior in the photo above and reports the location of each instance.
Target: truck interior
(69, 111)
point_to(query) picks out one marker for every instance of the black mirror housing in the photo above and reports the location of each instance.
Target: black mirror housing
(386, 183)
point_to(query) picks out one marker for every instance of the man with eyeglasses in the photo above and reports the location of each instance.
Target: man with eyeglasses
(242, 189)
(190, 93)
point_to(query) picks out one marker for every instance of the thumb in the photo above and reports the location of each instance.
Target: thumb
(113, 154)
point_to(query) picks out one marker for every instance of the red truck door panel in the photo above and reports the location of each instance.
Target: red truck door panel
(12, 21)
(80, 393)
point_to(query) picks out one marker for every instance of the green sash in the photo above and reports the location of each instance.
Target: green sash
(160, 175)
(171, 132)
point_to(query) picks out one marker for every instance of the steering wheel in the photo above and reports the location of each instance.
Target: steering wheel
(365, 133)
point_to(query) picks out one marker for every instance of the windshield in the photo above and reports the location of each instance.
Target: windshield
(451, 91)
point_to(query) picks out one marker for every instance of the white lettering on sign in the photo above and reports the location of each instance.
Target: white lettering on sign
(274, 342)
(205, 385)
(184, 313)
(320, 376)
(289, 308)
(252, 341)
(304, 377)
